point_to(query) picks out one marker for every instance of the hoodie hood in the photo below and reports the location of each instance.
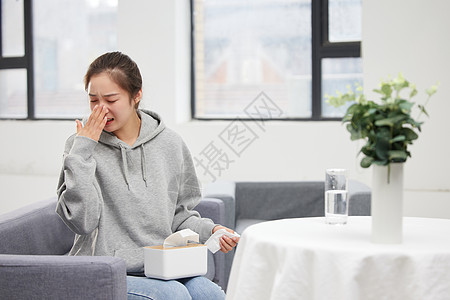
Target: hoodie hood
(151, 126)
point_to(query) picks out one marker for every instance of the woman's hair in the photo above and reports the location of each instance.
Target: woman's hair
(122, 70)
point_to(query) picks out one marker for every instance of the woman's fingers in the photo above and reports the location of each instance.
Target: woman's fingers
(226, 244)
(79, 126)
(97, 116)
(92, 116)
(223, 246)
(99, 119)
(95, 123)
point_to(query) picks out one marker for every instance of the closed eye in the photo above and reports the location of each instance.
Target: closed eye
(93, 98)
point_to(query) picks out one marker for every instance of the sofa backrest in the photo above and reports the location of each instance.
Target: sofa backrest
(279, 200)
(35, 230)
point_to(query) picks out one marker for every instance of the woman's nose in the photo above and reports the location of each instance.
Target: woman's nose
(104, 104)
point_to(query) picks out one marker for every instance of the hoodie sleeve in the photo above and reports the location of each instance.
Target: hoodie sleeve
(79, 197)
(189, 195)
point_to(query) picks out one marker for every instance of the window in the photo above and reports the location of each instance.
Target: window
(16, 65)
(68, 35)
(294, 51)
(46, 47)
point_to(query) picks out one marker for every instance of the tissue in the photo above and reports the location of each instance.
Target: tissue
(213, 242)
(181, 238)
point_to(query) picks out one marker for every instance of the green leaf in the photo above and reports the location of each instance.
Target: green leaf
(398, 155)
(386, 89)
(398, 138)
(430, 91)
(371, 111)
(355, 134)
(405, 106)
(409, 134)
(391, 121)
(413, 91)
(366, 161)
(381, 162)
(413, 123)
(400, 82)
(382, 144)
(368, 149)
(378, 91)
(422, 109)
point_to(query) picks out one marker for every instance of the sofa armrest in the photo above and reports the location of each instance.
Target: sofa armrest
(35, 230)
(359, 198)
(225, 191)
(213, 209)
(62, 277)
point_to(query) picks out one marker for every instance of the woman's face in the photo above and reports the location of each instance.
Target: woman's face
(104, 91)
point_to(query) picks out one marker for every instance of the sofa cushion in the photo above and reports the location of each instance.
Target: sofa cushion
(279, 200)
(224, 190)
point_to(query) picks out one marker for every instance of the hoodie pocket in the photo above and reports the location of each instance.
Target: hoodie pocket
(134, 259)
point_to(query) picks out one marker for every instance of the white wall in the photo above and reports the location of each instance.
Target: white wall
(411, 37)
(407, 36)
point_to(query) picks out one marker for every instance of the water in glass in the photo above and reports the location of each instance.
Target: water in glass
(336, 206)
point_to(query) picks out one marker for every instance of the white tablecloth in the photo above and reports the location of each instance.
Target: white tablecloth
(308, 259)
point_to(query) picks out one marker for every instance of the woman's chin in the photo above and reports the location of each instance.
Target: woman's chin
(108, 129)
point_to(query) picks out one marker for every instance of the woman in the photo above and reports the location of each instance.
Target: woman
(127, 181)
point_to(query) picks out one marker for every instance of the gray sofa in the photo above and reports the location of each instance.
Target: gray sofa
(248, 203)
(34, 240)
(34, 265)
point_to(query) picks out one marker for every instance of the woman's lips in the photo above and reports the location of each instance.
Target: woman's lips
(109, 121)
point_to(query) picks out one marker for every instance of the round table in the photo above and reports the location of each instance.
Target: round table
(308, 259)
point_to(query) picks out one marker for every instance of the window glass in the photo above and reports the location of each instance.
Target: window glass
(68, 35)
(13, 93)
(13, 41)
(344, 20)
(243, 48)
(337, 75)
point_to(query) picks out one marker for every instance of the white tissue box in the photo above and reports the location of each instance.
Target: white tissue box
(175, 262)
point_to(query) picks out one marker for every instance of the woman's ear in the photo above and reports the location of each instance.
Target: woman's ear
(137, 98)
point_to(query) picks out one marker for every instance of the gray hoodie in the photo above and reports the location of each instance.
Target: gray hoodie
(118, 199)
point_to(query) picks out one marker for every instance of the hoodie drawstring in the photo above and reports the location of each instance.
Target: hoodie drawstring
(125, 165)
(144, 165)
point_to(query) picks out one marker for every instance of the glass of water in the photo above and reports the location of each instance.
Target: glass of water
(336, 196)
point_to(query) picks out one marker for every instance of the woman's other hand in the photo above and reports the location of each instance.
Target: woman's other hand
(94, 125)
(226, 243)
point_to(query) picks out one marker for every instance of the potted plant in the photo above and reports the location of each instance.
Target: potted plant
(388, 128)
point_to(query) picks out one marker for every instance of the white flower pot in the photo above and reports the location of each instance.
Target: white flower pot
(387, 204)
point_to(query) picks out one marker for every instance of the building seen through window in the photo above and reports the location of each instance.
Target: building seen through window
(66, 36)
(243, 48)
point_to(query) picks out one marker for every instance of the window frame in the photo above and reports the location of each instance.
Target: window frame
(22, 62)
(26, 62)
(321, 48)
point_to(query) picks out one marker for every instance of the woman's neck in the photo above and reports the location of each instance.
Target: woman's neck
(130, 131)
